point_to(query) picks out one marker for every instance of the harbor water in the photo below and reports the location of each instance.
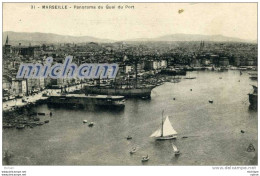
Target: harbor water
(213, 130)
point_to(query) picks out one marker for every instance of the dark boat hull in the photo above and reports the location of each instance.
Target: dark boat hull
(173, 72)
(134, 92)
(253, 101)
(84, 101)
(166, 138)
(253, 78)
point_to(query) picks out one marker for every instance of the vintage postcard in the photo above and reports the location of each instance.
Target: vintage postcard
(130, 84)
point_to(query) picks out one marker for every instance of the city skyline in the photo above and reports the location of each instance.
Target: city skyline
(141, 22)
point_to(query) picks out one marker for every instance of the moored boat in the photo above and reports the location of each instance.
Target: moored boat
(129, 137)
(91, 124)
(126, 92)
(70, 100)
(175, 150)
(36, 119)
(133, 150)
(39, 123)
(253, 77)
(20, 126)
(8, 125)
(190, 78)
(145, 158)
(253, 98)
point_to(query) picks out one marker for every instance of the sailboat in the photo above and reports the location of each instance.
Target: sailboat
(175, 150)
(165, 131)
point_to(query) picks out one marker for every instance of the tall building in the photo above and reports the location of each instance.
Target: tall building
(223, 61)
(202, 44)
(18, 87)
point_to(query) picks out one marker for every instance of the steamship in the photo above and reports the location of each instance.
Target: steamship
(253, 98)
(83, 100)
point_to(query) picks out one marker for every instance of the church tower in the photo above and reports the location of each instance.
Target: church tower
(7, 46)
(6, 42)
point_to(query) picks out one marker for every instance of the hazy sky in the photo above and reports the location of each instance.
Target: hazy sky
(146, 20)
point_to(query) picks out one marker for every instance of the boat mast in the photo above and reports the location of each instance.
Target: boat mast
(135, 64)
(136, 61)
(162, 125)
(127, 83)
(98, 82)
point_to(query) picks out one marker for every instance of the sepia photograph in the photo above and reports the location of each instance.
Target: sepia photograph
(130, 84)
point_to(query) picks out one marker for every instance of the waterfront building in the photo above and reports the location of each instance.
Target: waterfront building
(59, 83)
(214, 59)
(18, 87)
(205, 61)
(195, 63)
(250, 62)
(6, 83)
(151, 65)
(237, 61)
(223, 61)
(242, 61)
(127, 69)
(35, 85)
(140, 67)
(163, 63)
(47, 82)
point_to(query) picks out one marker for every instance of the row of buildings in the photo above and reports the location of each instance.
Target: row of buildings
(131, 57)
(13, 87)
(145, 66)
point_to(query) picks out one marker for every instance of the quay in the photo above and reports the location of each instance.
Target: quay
(18, 103)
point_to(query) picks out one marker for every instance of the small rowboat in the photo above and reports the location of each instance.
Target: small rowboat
(85, 121)
(133, 150)
(129, 137)
(36, 119)
(91, 124)
(39, 123)
(191, 78)
(20, 127)
(145, 158)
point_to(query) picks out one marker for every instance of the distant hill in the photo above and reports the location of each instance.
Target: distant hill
(193, 37)
(39, 38)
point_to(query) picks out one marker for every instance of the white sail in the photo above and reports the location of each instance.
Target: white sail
(157, 133)
(174, 148)
(167, 128)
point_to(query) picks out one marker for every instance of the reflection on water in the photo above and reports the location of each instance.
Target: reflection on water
(213, 131)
